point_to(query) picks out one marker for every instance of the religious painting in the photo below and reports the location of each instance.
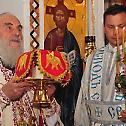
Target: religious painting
(76, 12)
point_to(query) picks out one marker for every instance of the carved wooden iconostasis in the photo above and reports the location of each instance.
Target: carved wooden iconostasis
(77, 18)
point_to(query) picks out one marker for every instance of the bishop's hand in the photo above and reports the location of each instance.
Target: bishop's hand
(14, 90)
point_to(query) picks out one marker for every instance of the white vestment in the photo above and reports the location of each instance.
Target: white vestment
(98, 103)
(12, 113)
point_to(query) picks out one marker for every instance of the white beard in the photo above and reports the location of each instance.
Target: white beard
(8, 54)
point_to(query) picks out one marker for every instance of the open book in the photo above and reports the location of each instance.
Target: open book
(71, 57)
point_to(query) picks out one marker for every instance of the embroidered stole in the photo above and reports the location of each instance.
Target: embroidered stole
(100, 110)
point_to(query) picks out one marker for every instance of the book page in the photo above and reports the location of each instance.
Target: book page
(71, 57)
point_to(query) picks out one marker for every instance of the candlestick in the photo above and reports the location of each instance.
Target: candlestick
(93, 17)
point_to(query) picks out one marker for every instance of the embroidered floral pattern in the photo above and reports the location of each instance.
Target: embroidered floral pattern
(4, 97)
(23, 114)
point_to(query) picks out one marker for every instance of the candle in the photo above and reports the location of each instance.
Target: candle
(37, 74)
(118, 52)
(123, 39)
(123, 46)
(117, 40)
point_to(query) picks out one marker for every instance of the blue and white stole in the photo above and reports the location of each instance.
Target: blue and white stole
(101, 110)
